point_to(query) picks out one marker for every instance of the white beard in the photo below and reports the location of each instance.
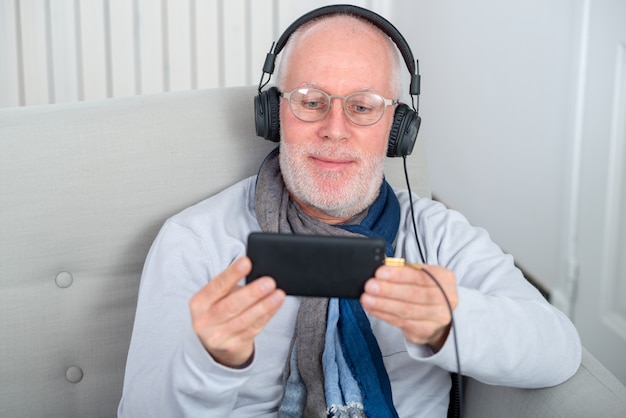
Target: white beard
(334, 193)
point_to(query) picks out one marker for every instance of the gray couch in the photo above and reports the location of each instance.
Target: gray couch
(83, 190)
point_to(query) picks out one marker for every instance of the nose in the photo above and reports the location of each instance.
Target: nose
(335, 123)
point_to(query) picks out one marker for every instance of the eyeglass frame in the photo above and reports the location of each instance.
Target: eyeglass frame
(386, 102)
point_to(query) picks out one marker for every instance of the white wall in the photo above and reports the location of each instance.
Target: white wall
(497, 103)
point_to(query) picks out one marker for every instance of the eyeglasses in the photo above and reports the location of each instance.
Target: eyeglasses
(361, 108)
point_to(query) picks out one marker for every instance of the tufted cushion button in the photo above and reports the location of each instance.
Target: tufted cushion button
(64, 279)
(74, 374)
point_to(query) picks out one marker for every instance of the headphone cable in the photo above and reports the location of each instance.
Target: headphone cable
(456, 400)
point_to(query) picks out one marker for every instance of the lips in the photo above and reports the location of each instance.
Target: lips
(330, 163)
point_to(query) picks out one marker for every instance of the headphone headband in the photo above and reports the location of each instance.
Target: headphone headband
(350, 10)
(346, 9)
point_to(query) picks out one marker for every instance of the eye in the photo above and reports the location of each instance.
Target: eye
(312, 104)
(359, 108)
(312, 100)
(361, 105)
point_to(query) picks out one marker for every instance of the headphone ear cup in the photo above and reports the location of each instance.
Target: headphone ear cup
(266, 114)
(403, 133)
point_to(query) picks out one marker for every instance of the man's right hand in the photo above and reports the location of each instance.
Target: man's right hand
(228, 317)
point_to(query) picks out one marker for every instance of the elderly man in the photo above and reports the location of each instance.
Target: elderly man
(206, 344)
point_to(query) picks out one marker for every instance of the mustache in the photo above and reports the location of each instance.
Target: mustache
(327, 151)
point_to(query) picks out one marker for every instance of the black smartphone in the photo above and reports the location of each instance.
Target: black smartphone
(314, 265)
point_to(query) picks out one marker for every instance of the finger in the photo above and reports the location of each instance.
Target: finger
(251, 322)
(416, 331)
(405, 311)
(218, 288)
(419, 324)
(232, 342)
(425, 277)
(404, 274)
(407, 292)
(242, 299)
(225, 282)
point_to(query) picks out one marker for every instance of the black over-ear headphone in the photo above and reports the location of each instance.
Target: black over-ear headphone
(406, 121)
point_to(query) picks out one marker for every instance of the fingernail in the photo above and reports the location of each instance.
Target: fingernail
(278, 297)
(382, 273)
(267, 285)
(241, 265)
(372, 287)
(367, 301)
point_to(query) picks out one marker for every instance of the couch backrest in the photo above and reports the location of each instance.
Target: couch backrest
(84, 189)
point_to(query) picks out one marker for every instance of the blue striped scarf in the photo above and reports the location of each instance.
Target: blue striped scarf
(335, 368)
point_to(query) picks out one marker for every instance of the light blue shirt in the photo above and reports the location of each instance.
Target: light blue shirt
(508, 334)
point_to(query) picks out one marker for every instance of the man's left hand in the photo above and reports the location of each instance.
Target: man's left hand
(409, 299)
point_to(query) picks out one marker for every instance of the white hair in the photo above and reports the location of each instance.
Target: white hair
(285, 55)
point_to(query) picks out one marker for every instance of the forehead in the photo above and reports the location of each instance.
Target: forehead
(344, 21)
(343, 28)
(340, 49)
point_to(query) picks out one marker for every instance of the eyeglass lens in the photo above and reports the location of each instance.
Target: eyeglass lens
(362, 108)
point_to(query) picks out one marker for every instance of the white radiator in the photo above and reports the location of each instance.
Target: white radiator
(55, 51)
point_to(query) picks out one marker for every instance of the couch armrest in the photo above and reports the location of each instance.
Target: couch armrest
(592, 392)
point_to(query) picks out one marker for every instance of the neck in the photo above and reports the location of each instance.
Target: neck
(320, 215)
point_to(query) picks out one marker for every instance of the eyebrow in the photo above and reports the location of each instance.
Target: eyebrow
(314, 85)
